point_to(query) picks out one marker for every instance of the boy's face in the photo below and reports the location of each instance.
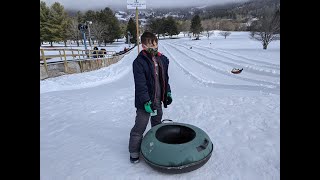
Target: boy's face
(153, 45)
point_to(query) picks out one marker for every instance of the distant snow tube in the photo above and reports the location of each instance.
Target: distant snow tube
(236, 71)
(176, 147)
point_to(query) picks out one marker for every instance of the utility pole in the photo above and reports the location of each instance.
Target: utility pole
(137, 4)
(90, 40)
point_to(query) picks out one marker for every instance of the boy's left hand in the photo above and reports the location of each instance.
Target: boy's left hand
(169, 98)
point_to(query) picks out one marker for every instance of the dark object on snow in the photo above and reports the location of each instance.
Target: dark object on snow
(101, 52)
(82, 27)
(176, 147)
(95, 51)
(190, 47)
(236, 71)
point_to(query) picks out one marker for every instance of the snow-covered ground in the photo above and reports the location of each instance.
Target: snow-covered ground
(86, 118)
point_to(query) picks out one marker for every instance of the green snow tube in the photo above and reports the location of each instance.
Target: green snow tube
(176, 147)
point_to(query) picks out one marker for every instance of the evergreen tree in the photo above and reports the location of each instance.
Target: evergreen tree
(89, 16)
(131, 27)
(66, 24)
(154, 26)
(196, 27)
(44, 24)
(56, 24)
(163, 27)
(171, 26)
(80, 17)
(107, 18)
(114, 31)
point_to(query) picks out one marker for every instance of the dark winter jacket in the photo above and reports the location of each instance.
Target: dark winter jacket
(144, 79)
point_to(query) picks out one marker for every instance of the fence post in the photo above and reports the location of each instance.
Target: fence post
(79, 54)
(72, 54)
(44, 61)
(65, 61)
(80, 62)
(81, 68)
(60, 55)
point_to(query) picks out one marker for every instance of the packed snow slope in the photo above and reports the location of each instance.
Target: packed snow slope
(86, 118)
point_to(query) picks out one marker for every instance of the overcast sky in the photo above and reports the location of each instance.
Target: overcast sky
(101, 4)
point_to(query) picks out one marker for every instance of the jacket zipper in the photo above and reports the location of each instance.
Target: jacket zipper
(164, 84)
(155, 86)
(155, 79)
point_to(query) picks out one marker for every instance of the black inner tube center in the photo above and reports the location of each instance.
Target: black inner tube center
(175, 134)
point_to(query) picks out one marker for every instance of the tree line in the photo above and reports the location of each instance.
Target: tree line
(56, 25)
(265, 28)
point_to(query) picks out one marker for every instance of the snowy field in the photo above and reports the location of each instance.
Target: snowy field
(86, 118)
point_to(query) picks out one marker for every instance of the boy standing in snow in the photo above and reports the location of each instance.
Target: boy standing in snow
(150, 70)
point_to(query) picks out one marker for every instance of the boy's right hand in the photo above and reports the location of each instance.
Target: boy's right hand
(147, 107)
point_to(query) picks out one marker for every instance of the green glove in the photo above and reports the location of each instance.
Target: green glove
(147, 107)
(169, 98)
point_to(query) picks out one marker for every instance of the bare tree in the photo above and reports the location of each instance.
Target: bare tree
(97, 30)
(225, 33)
(74, 32)
(207, 26)
(267, 28)
(184, 27)
(226, 25)
(210, 33)
(215, 23)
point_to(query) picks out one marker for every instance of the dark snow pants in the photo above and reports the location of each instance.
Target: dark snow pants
(141, 122)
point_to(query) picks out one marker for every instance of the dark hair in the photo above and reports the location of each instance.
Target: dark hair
(148, 38)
